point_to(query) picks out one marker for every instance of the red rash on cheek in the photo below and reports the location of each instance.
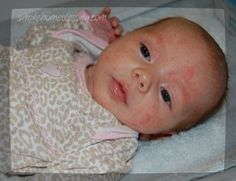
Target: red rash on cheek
(104, 56)
(114, 69)
(188, 72)
(186, 76)
(158, 39)
(146, 119)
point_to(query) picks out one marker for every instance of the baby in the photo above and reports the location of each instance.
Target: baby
(154, 81)
(161, 78)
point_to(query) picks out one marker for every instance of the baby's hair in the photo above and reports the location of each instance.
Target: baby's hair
(219, 63)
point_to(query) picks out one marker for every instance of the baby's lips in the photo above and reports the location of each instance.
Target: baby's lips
(119, 91)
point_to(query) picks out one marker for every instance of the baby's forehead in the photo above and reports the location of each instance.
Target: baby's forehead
(176, 25)
(183, 38)
(175, 22)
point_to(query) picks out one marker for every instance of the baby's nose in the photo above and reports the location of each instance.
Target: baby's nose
(143, 79)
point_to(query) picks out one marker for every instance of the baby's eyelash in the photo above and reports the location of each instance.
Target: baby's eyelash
(145, 52)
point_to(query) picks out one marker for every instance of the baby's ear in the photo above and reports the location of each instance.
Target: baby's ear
(148, 137)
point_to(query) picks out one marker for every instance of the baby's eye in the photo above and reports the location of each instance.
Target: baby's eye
(165, 96)
(145, 52)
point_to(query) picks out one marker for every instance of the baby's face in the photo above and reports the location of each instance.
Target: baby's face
(151, 79)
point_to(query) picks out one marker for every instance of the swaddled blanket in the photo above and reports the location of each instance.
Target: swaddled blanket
(53, 119)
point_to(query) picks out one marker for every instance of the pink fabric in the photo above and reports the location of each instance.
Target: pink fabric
(51, 70)
(89, 36)
(115, 133)
(111, 135)
(100, 43)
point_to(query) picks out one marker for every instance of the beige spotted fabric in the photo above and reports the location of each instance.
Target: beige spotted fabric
(52, 119)
(4, 113)
(38, 34)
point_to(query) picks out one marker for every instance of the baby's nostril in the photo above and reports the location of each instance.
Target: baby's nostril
(141, 85)
(137, 75)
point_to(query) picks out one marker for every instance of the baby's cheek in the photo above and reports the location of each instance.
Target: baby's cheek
(105, 57)
(115, 69)
(144, 120)
(150, 115)
(188, 72)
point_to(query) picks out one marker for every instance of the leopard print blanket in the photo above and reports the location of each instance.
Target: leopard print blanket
(52, 119)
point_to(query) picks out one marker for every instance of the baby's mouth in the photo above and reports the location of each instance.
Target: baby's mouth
(119, 91)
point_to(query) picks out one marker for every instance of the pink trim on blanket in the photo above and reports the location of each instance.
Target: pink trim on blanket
(115, 133)
(89, 36)
(100, 43)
